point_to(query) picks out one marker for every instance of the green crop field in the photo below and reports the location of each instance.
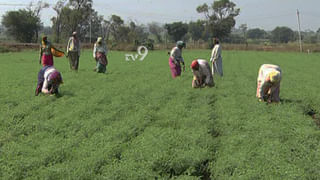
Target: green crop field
(136, 122)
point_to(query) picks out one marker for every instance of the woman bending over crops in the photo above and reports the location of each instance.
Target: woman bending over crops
(100, 55)
(201, 74)
(47, 50)
(216, 58)
(176, 59)
(268, 83)
(49, 80)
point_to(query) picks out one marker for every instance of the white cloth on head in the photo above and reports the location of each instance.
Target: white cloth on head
(216, 58)
(46, 78)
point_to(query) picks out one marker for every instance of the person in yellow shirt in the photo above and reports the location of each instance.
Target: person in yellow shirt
(73, 51)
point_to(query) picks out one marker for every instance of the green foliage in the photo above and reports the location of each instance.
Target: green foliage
(282, 35)
(136, 122)
(22, 24)
(3, 49)
(75, 16)
(177, 30)
(197, 30)
(219, 17)
(157, 30)
(256, 33)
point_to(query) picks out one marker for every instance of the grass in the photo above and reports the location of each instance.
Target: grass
(135, 122)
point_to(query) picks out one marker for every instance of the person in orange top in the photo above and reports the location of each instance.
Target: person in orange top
(46, 56)
(268, 83)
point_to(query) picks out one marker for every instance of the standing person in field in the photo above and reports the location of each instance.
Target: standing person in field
(201, 74)
(49, 80)
(73, 51)
(100, 55)
(216, 58)
(268, 83)
(176, 59)
(47, 50)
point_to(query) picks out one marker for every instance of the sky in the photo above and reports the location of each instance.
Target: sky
(265, 14)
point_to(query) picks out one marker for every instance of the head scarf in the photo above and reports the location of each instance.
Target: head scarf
(274, 76)
(195, 64)
(99, 40)
(55, 78)
(44, 40)
(181, 44)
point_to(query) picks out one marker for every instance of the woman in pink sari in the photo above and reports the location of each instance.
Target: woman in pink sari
(46, 56)
(176, 59)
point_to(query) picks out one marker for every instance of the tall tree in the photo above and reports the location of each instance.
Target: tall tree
(156, 30)
(177, 30)
(220, 17)
(22, 24)
(76, 15)
(196, 29)
(256, 33)
(282, 35)
(36, 9)
(116, 23)
(56, 21)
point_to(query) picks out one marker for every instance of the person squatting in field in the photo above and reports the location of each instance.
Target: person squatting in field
(201, 74)
(176, 59)
(46, 55)
(49, 80)
(268, 83)
(100, 55)
(216, 58)
(73, 51)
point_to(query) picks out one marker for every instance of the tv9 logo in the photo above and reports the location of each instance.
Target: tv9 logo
(142, 52)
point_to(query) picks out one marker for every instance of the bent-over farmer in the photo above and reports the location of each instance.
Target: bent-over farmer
(49, 80)
(268, 83)
(201, 74)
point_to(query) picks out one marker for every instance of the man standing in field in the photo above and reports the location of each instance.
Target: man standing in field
(73, 51)
(216, 58)
(176, 59)
(268, 83)
(201, 74)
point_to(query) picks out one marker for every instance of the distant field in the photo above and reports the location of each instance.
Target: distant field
(135, 122)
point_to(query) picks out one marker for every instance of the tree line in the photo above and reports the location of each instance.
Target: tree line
(24, 25)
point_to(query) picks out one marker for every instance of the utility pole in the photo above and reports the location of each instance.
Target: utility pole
(90, 26)
(299, 30)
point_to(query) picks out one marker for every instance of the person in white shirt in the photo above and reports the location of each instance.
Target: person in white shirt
(73, 51)
(268, 83)
(49, 80)
(100, 55)
(201, 74)
(176, 59)
(216, 58)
